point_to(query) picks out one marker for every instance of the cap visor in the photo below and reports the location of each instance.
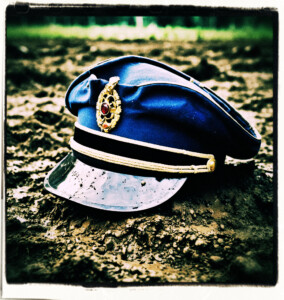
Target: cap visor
(84, 184)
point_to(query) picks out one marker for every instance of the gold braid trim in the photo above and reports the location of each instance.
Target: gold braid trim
(142, 164)
(143, 144)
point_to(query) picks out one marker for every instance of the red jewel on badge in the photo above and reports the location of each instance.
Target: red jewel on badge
(105, 108)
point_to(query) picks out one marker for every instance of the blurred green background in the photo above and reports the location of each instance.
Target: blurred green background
(191, 28)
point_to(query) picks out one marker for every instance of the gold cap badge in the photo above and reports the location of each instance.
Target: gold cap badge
(108, 106)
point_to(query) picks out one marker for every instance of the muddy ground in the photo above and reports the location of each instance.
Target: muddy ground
(217, 229)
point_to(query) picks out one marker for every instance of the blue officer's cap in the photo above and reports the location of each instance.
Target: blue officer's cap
(142, 128)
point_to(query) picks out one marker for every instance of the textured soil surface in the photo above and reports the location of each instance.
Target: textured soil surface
(217, 229)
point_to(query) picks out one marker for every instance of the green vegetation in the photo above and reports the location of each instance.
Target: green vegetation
(124, 32)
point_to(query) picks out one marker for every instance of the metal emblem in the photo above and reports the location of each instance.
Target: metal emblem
(108, 106)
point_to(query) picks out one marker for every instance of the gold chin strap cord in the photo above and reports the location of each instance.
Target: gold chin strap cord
(147, 165)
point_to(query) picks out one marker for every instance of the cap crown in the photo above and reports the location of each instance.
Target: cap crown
(163, 106)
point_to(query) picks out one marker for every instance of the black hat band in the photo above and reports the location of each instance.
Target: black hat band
(139, 155)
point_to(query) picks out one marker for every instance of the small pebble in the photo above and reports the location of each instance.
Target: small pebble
(101, 250)
(215, 258)
(130, 249)
(200, 242)
(117, 234)
(220, 241)
(157, 257)
(186, 250)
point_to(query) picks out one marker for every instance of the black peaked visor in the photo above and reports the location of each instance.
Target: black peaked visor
(74, 180)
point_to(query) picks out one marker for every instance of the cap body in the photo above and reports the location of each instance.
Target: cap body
(139, 117)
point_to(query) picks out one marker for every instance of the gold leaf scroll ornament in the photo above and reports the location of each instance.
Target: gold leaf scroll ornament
(108, 106)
